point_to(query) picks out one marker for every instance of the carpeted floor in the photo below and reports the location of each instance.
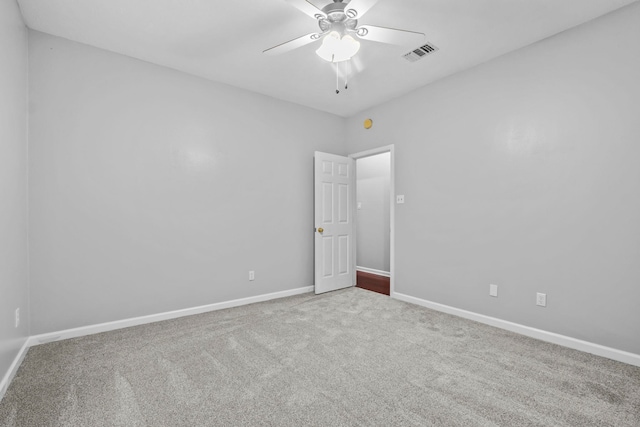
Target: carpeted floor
(347, 358)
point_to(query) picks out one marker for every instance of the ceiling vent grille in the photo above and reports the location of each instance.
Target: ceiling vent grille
(420, 52)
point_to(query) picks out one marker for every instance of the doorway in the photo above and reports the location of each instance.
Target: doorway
(374, 219)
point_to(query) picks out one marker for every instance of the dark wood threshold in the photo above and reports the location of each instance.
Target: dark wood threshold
(373, 282)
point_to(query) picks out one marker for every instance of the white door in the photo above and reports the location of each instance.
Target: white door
(334, 228)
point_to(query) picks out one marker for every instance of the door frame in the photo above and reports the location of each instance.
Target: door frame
(392, 210)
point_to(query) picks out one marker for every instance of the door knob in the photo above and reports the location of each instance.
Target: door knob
(320, 230)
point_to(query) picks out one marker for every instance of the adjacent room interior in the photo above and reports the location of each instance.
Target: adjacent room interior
(157, 212)
(373, 226)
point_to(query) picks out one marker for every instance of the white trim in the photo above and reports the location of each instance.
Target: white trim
(13, 369)
(125, 323)
(563, 340)
(392, 206)
(373, 271)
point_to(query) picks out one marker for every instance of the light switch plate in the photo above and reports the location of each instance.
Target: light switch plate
(400, 199)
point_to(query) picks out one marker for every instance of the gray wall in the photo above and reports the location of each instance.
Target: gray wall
(373, 175)
(152, 190)
(524, 172)
(13, 183)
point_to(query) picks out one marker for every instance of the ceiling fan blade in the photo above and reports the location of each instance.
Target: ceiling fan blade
(389, 35)
(360, 7)
(292, 44)
(307, 8)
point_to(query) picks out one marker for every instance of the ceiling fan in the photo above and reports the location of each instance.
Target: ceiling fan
(338, 23)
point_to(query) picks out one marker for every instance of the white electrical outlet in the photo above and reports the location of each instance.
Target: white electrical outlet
(541, 299)
(17, 317)
(400, 199)
(493, 290)
(252, 275)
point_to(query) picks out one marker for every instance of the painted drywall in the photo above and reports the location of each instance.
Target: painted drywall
(372, 189)
(523, 172)
(152, 190)
(13, 183)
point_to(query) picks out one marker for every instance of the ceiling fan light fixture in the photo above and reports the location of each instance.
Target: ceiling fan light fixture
(337, 49)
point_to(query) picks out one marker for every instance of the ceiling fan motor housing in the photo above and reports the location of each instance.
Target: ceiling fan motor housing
(337, 18)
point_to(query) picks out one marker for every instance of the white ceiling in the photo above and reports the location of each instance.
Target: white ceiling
(223, 40)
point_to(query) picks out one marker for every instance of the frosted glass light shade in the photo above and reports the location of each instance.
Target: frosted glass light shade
(336, 49)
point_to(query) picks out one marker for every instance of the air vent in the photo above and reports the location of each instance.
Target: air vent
(420, 52)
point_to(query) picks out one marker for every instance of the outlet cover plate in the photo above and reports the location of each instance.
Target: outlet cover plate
(541, 299)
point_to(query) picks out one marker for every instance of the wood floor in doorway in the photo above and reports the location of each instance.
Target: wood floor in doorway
(373, 282)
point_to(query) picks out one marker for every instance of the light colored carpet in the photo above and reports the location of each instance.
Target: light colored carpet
(347, 358)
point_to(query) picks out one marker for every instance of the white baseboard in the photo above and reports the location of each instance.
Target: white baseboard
(125, 323)
(373, 271)
(576, 344)
(6, 380)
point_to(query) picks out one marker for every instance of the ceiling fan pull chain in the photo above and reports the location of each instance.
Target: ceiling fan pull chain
(337, 76)
(346, 75)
